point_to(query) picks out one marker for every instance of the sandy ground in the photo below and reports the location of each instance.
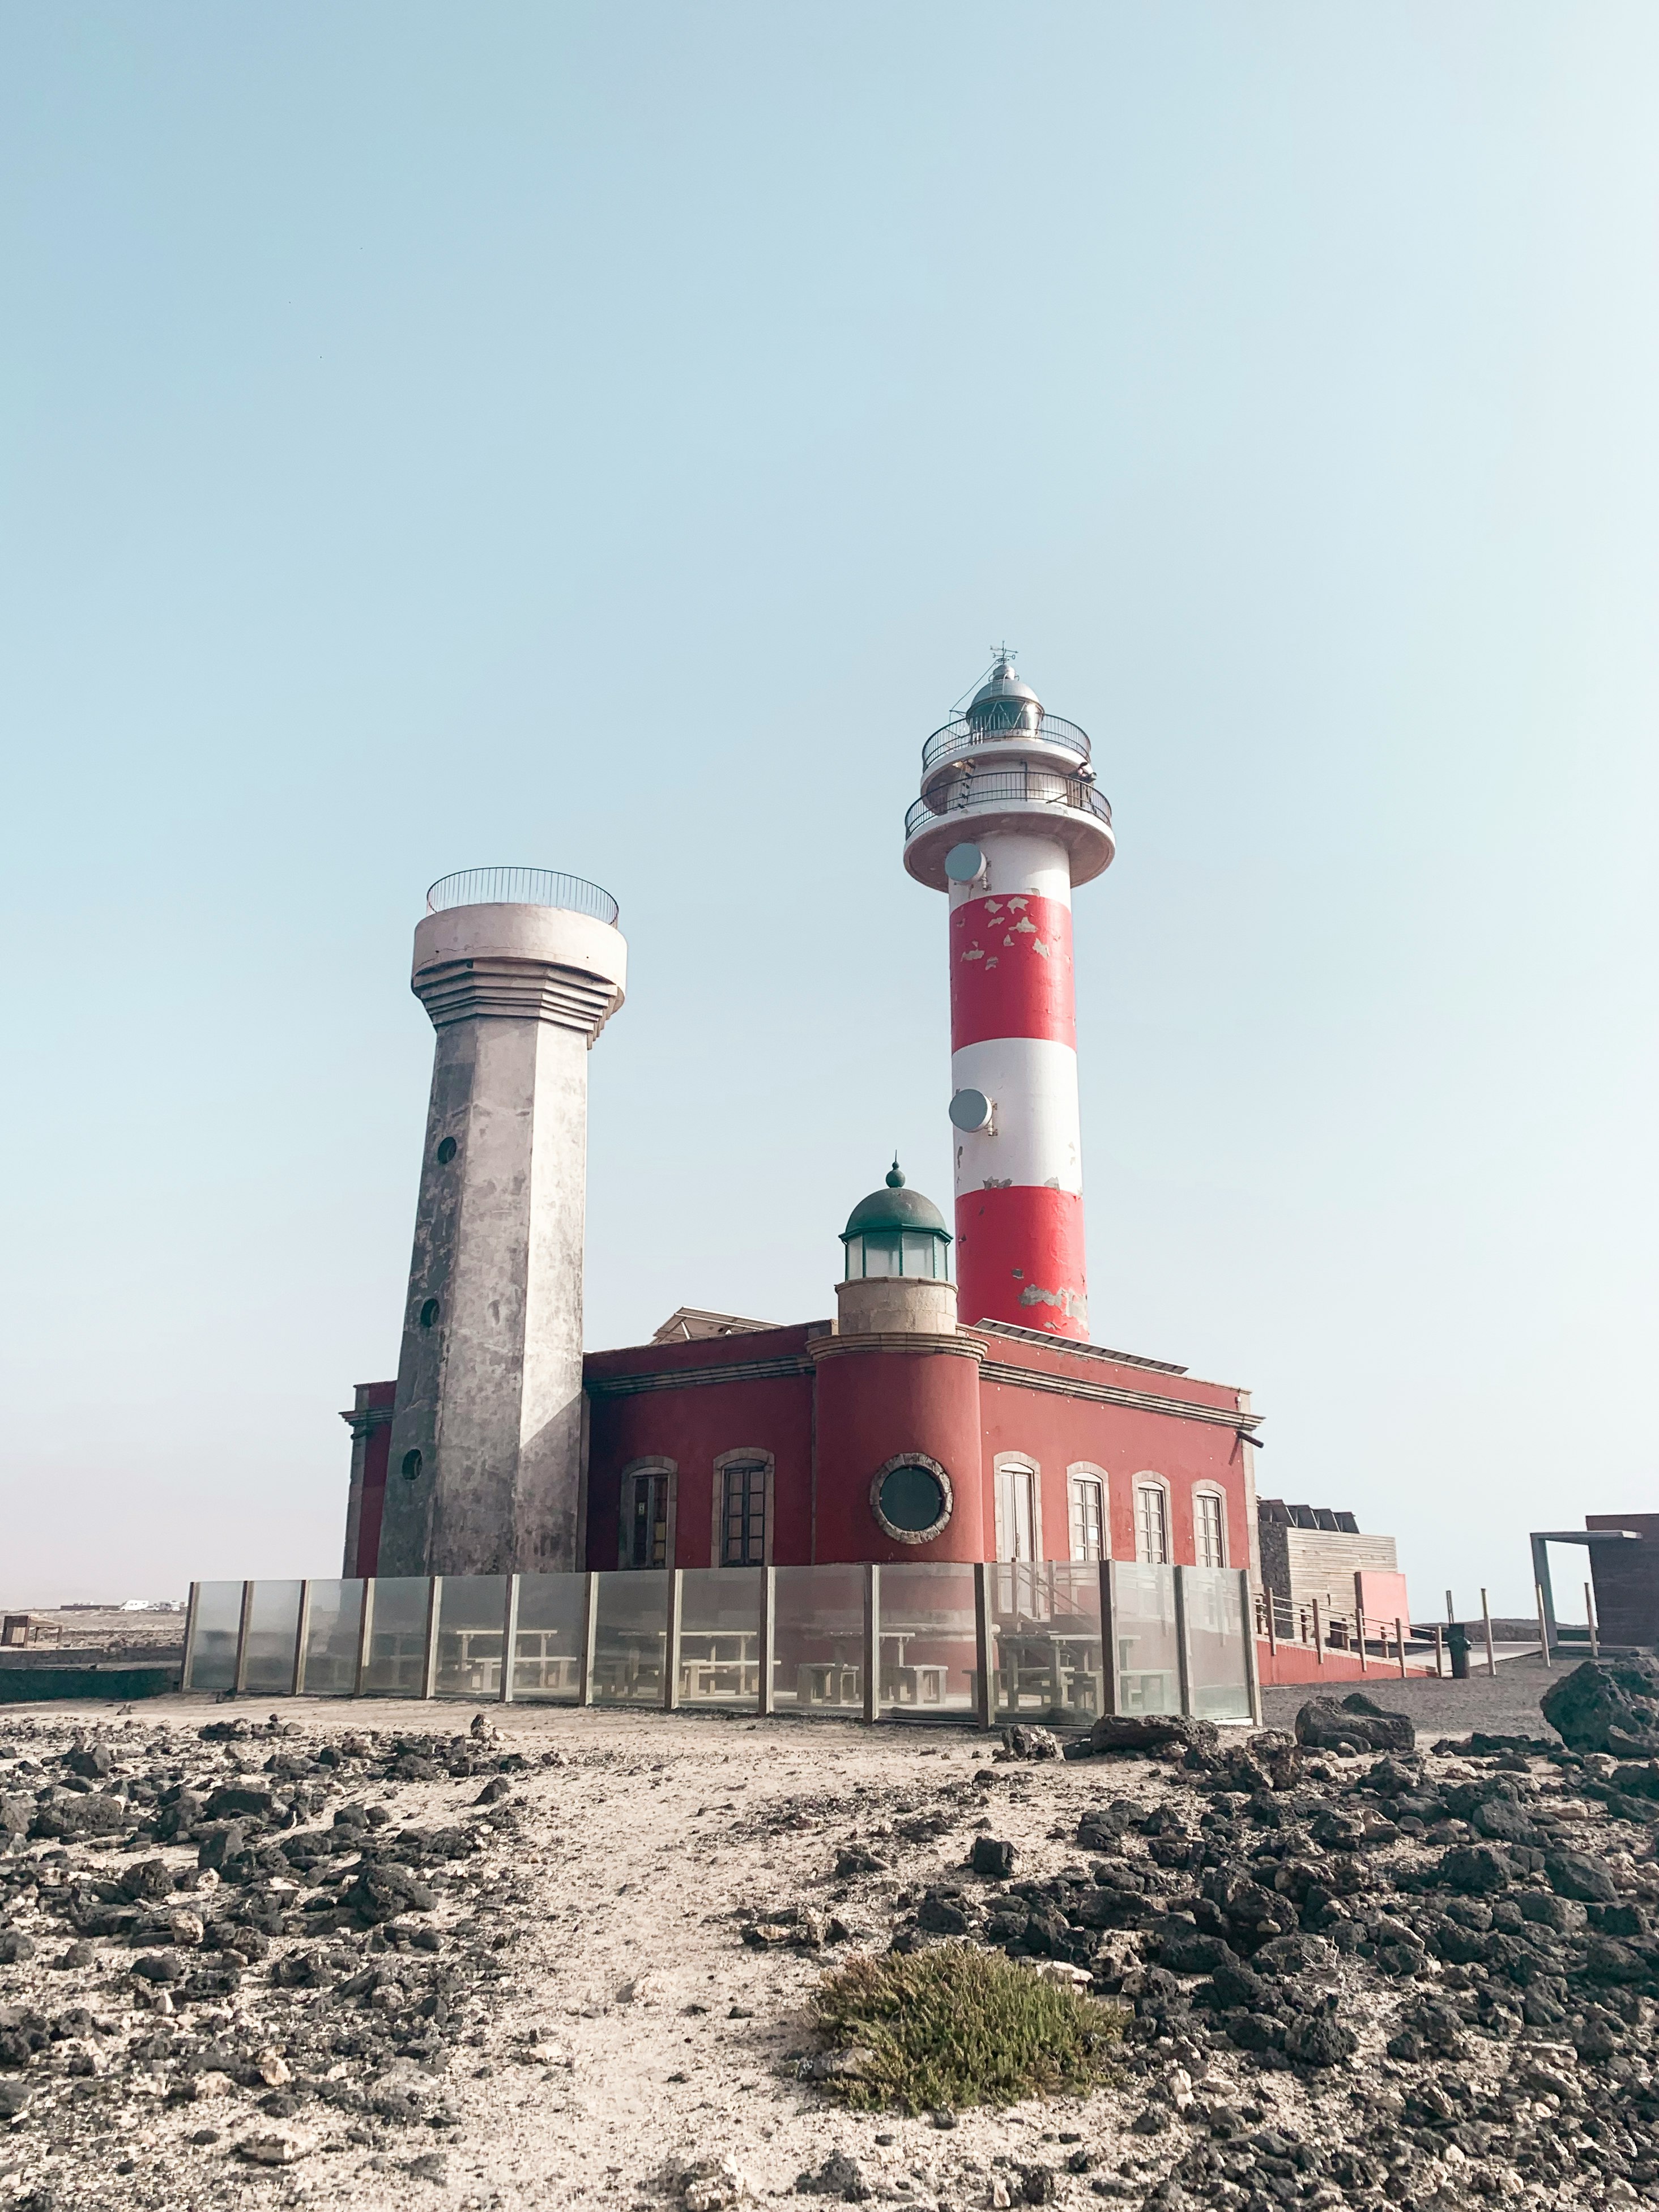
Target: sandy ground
(637, 1856)
(621, 2022)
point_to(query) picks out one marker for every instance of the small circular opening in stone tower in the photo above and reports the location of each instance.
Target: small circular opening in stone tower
(411, 1465)
(429, 1313)
(446, 1150)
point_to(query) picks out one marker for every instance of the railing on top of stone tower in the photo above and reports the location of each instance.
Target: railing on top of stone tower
(1023, 786)
(961, 736)
(1043, 1640)
(522, 887)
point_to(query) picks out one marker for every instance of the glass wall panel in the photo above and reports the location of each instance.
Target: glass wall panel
(1074, 1619)
(1045, 1640)
(548, 1649)
(929, 1657)
(632, 1635)
(470, 1624)
(817, 1641)
(1144, 1624)
(273, 1625)
(218, 1619)
(719, 1636)
(397, 1636)
(337, 1616)
(1215, 1640)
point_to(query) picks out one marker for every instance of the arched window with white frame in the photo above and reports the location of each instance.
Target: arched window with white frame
(1209, 1526)
(1087, 1493)
(1151, 1519)
(1019, 1507)
(645, 1520)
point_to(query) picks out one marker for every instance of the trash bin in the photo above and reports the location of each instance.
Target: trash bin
(1457, 1643)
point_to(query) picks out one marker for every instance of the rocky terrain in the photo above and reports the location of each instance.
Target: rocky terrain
(346, 1956)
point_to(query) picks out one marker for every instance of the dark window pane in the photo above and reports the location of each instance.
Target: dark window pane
(744, 1515)
(913, 1498)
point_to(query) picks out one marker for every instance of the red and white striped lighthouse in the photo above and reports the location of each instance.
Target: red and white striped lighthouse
(1008, 822)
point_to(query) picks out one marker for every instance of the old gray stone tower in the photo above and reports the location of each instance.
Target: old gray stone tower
(520, 969)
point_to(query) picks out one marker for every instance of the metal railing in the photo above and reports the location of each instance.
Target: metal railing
(973, 790)
(522, 887)
(1306, 1624)
(961, 736)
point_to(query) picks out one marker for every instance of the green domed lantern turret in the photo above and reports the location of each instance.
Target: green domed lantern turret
(896, 1231)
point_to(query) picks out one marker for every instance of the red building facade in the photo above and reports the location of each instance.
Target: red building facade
(888, 1434)
(1052, 1450)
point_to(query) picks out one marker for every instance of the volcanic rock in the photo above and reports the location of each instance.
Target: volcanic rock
(839, 2176)
(1323, 1725)
(381, 1892)
(1574, 1875)
(1104, 1827)
(1020, 1740)
(990, 1858)
(278, 2147)
(1145, 1732)
(1608, 1704)
(1478, 1869)
(1184, 1951)
(1319, 2039)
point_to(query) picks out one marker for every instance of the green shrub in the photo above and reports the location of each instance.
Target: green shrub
(953, 2027)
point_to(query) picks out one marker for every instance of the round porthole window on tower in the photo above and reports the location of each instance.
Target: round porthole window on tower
(446, 1150)
(911, 1497)
(411, 1466)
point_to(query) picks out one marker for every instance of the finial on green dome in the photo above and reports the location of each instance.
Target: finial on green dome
(895, 1176)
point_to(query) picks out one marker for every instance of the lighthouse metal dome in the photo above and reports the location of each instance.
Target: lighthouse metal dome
(1002, 703)
(896, 1206)
(895, 1231)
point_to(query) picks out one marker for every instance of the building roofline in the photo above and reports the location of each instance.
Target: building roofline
(1082, 1351)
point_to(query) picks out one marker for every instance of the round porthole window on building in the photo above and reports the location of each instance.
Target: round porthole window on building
(911, 1497)
(411, 1466)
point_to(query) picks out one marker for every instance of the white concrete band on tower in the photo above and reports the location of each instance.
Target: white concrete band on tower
(519, 969)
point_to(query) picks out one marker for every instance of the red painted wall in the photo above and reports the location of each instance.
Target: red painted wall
(1017, 1250)
(1382, 1596)
(1000, 985)
(693, 1426)
(873, 1405)
(1299, 1663)
(377, 1449)
(1056, 1431)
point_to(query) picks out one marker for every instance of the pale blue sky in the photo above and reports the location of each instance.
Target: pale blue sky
(609, 437)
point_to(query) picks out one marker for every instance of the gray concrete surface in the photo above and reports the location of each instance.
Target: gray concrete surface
(1505, 1705)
